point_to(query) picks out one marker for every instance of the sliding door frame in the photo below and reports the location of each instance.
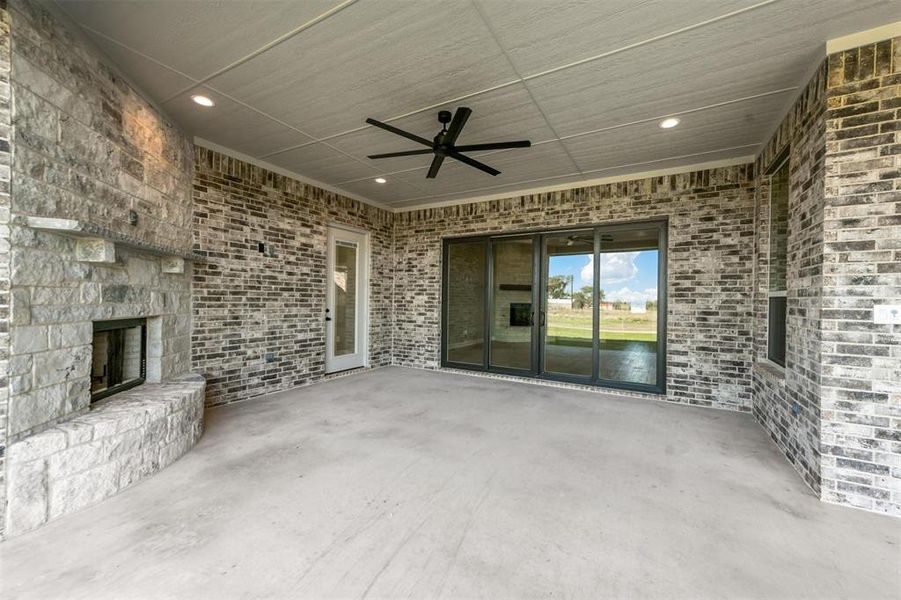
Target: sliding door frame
(535, 315)
(662, 294)
(539, 304)
(445, 305)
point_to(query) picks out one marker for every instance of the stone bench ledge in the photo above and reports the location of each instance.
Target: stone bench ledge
(87, 458)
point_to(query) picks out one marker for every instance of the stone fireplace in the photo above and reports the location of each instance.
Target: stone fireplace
(100, 391)
(99, 228)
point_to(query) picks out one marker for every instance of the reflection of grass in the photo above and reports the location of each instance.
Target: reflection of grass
(585, 333)
(615, 324)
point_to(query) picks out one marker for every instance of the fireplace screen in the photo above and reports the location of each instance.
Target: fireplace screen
(119, 357)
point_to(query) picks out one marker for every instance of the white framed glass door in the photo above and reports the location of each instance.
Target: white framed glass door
(346, 312)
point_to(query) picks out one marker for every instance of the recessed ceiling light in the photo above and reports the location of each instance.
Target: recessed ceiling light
(381, 180)
(669, 123)
(202, 100)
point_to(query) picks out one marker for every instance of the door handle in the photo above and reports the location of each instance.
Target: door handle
(328, 318)
(542, 319)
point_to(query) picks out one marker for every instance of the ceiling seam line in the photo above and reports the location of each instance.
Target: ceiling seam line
(651, 40)
(266, 47)
(158, 63)
(597, 170)
(580, 134)
(525, 85)
(217, 91)
(396, 117)
(550, 71)
(682, 112)
(291, 127)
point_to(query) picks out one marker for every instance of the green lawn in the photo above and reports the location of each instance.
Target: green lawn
(615, 324)
(583, 333)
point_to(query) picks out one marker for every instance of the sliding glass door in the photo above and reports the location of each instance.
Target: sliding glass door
(568, 282)
(512, 304)
(584, 305)
(631, 280)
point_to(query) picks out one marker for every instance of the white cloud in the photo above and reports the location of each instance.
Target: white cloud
(618, 266)
(631, 296)
(587, 272)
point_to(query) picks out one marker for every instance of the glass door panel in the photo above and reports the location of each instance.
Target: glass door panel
(511, 305)
(344, 280)
(629, 297)
(568, 320)
(465, 294)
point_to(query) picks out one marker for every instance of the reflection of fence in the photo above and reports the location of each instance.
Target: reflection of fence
(567, 302)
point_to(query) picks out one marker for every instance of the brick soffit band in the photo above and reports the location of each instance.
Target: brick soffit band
(731, 162)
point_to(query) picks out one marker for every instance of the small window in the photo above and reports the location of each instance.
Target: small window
(778, 264)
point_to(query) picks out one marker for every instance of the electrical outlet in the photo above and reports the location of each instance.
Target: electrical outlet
(270, 357)
(887, 314)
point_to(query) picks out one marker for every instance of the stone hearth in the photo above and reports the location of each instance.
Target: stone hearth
(83, 460)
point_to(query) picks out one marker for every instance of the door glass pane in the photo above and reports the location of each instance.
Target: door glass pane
(570, 277)
(511, 317)
(345, 291)
(629, 296)
(466, 302)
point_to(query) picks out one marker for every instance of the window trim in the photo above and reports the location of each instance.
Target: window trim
(783, 160)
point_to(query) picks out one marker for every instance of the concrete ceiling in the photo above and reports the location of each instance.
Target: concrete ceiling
(587, 81)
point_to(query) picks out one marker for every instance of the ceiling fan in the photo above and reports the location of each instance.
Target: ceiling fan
(443, 146)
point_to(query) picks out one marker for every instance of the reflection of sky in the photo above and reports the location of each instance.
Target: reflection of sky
(636, 271)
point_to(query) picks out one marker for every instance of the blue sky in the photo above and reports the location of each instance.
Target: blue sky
(628, 276)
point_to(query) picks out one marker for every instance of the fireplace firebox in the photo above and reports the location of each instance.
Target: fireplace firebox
(119, 356)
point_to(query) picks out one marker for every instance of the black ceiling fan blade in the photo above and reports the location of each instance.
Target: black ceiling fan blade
(400, 132)
(474, 163)
(436, 164)
(493, 146)
(405, 153)
(456, 126)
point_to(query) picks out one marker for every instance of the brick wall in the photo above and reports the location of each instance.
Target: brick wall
(248, 305)
(5, 178)
(710, 279)
(835, 410)
(861, 386)
(787, 401)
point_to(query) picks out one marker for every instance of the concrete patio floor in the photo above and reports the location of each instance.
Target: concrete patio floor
(401, 483)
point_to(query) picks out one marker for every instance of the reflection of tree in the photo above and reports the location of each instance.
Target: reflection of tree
(556, 286)
(582, 298)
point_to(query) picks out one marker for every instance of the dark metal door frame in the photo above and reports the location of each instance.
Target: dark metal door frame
(539, 304)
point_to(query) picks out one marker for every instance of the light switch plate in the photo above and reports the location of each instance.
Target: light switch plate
(887, 314)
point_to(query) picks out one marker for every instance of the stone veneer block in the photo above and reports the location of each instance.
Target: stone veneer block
(88, 458)
(95, 250)
(172, 264)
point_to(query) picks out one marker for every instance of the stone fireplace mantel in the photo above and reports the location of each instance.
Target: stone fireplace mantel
(97, 243)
